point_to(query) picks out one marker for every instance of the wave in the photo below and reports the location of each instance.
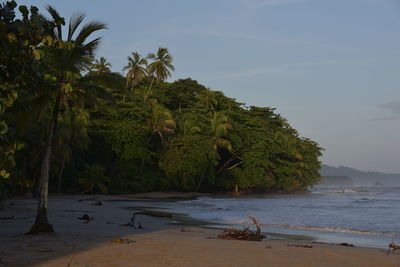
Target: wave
(332, 230)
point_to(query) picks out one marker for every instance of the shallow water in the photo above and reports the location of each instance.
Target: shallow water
(365, 216)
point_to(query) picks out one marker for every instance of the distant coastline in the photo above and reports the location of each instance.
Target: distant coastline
(362, 178)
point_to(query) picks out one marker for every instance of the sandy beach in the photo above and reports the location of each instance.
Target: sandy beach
(104, 242)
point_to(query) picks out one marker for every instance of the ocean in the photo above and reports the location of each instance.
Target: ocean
(363, 216)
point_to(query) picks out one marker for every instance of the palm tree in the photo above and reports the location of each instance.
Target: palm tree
(159, 68)
(65, 60)
(219, 130)
(207, 99)
(137, 70)
(161, 122)
(100, 66)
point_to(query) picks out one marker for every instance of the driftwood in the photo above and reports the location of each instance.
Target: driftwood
(88, 199)
(7, 218)
(98, 203)
(299, 246)
(245, 234)
(392, 247)
(157, 214)
(346, 245)
(86, 218)
(120, 240)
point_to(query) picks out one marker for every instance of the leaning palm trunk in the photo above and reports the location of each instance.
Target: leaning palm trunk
(42, 224)
(148, 91)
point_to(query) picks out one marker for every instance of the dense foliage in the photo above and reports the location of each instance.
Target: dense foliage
(104, 132)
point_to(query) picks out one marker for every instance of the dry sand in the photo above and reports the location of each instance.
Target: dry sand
(160, 244)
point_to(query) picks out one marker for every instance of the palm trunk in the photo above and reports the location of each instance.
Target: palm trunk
(60, 174)
(200, 181)
(42, 224)
(148, 91)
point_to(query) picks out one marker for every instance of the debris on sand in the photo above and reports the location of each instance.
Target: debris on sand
(98, 203)
(346, 245)
(245, 234)
(299, 246)
(120, 240)
(87, 218)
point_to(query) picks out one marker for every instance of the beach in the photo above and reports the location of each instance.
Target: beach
(105, 240)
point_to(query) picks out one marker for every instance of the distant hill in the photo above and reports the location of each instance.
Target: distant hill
(361, 178)
(336, 181)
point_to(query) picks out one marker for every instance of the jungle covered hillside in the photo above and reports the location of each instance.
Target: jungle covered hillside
(64, 113)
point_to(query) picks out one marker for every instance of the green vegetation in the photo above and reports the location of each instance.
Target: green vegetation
(69, 124)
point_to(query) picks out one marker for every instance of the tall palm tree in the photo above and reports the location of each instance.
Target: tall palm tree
(100, 66)
(65, 60)
(137, 70)
(160, 68)
(219, 130)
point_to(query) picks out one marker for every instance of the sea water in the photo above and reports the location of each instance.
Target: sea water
(364, 216)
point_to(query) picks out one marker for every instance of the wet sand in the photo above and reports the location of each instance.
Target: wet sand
(159, 244)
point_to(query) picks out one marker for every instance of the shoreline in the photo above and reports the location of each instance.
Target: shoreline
(164, 241)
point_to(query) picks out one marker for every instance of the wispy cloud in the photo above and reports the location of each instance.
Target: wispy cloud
(249, 73)
(261, 3)
(270, 38)
(282, 70)
(393, 107)
(389, 118)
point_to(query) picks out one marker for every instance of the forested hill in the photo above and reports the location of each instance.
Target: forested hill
(67, 119)
(362, 178)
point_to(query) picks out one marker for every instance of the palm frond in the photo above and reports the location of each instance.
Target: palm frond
(87, 30)
(57, 19)
(74, 23)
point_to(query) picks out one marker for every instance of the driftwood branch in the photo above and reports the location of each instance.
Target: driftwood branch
(392, 247)
(245, 234)
(234, 166)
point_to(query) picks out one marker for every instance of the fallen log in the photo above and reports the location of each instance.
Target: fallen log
(245, 234)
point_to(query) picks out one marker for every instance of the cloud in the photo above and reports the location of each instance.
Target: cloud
(249, 73)
(262, 3)
(393, 107)
(268, 38)
(389, 118)
(284, 69)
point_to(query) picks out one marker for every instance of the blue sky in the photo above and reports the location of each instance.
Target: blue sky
(332, 68)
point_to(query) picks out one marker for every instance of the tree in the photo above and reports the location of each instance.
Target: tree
(207, 99)
(94, 180)
(19, 72)
(160, 67)
(219, 130)
(100, 66)
(136, 70)
(161, 122)
(66, 59)
(71, 136)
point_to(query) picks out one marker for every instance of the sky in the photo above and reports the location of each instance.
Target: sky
(332, 68)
